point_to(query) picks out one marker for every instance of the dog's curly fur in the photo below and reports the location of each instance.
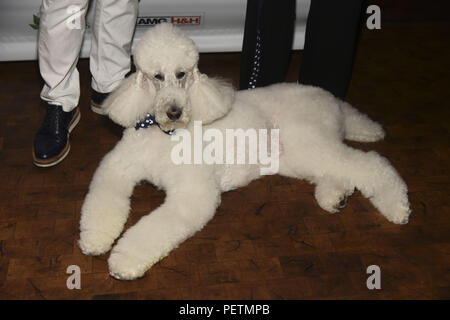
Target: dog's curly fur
(312, 126)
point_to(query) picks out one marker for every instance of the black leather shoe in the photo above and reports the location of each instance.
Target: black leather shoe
(51, 143)
(97, 99)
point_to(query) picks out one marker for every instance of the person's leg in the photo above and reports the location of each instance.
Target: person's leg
(61, 29)
(269, 29)
(331, 36)
(113, 29)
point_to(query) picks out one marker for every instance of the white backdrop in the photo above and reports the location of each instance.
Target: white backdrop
(215, 25)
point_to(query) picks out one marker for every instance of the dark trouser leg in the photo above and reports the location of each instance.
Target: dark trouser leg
(273, 21)
(331, 36)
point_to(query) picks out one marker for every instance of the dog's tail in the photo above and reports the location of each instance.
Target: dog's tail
(358, 126)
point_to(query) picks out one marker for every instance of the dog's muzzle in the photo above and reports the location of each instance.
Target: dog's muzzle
(172, 108)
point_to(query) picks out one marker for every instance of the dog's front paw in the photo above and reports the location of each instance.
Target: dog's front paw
(399, 214)
(95, 243)
(395, 207)
(126, 267)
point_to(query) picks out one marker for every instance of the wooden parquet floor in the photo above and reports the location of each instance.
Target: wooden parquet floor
(269, 240)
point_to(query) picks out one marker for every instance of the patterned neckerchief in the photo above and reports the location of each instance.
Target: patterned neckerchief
(148, 121)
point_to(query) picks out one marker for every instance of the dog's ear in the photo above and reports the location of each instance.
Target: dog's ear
(131, 101)
(210, 98)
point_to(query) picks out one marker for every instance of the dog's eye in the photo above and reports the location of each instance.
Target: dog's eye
(159, 77)
(180, 75)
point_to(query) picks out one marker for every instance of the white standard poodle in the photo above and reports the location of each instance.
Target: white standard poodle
(168, 90)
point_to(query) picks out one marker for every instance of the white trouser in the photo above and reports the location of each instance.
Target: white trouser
(60, 39)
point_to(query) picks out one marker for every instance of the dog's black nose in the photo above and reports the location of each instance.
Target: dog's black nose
(174, 113)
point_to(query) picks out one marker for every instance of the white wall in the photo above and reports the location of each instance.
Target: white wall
(220, 30)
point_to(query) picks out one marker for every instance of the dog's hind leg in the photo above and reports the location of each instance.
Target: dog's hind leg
(331, 195)
(377, 180)
(358, 126)
(188, 207)
(372, 174)
(107, 204)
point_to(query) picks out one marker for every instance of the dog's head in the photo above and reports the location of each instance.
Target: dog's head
(168, 84)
